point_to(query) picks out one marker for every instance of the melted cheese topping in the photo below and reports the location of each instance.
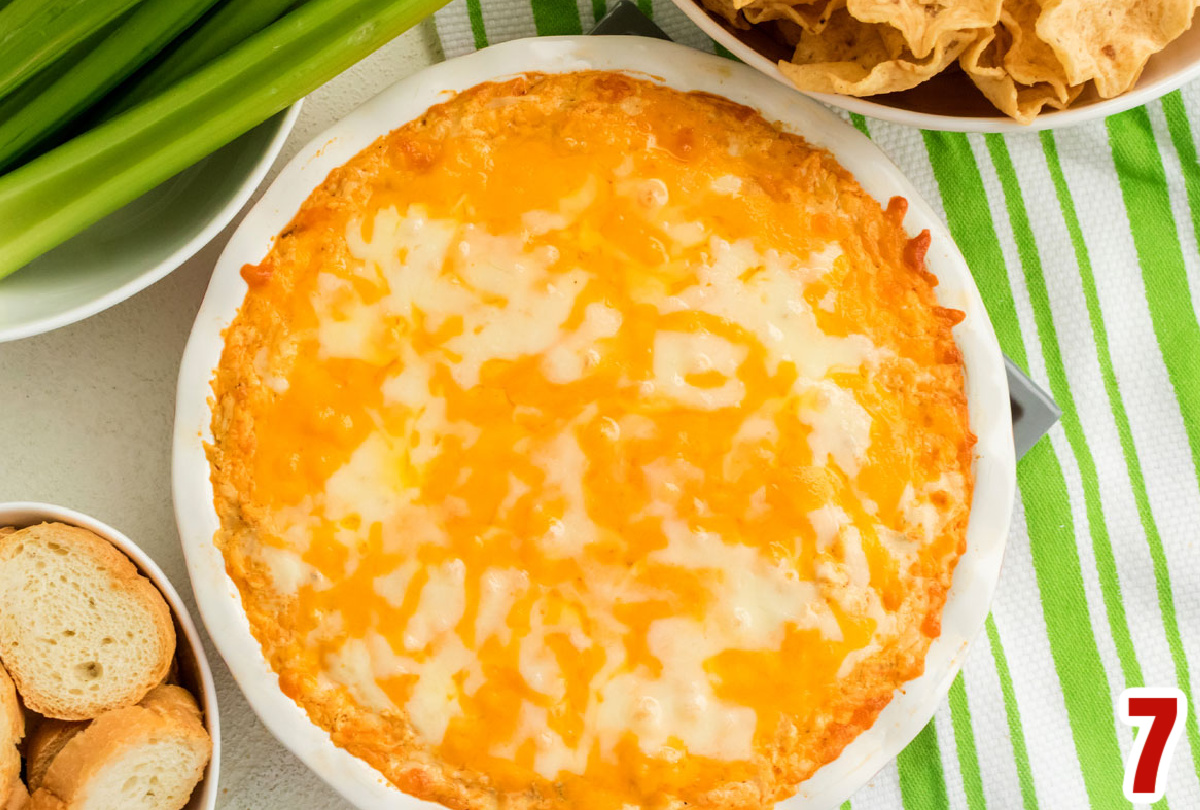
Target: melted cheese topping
(575, 467)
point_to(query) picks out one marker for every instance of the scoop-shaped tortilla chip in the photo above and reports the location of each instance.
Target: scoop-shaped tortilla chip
(729, 11)
(1028, 59)
(863, 59)
(1109, 41)
(1024, 55)
(813, 17)
(926, 23)
(1018, 72)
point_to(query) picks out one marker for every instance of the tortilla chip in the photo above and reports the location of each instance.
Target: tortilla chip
(1109, 41)
(1024, 55)
(813, 17)
(1020, 101)
(926, 23)
(1018, 72)
(1030, 60)
(862, 59)
(729, 11)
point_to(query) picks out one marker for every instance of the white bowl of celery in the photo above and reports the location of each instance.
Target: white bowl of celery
(132, 131)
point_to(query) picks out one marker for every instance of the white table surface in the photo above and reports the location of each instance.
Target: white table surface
(85, 422)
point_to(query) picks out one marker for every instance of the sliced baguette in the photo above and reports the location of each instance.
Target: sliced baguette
(10, 772)
(81, 631)
(18, 798)
(145, 757)
(44, 744)
(12, 715)
(12, 729)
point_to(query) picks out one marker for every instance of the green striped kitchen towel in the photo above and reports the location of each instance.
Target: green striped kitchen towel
(1084, 245)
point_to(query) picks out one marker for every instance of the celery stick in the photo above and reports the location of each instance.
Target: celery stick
(41, 81)
(230, 24)
(54, 197)
(24, 122)
(35, 33)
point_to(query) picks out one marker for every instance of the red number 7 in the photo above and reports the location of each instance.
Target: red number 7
(1146, 771)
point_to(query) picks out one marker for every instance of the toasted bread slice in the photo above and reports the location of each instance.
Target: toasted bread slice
(12, 729)
(12, 715)
(145, 757)
(18, 798)
(44, 744)
(81, 631)
(41, 800)
(10, 771)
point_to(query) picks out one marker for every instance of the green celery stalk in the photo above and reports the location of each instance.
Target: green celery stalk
(229, 25)
(44, 79)
(54, 197)
(35, 33)
(26, 121)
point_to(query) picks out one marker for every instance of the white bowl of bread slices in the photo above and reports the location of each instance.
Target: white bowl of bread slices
(106, 699)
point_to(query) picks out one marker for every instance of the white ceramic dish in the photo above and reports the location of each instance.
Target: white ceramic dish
(1168, 70)
(141, 243)
(194, 673)
(685, 69)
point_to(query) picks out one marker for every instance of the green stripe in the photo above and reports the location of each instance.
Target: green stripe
(1137, 479)
(1060, 388)
(1181, 135)
(1043, 487)
(860, 123)
(964, 742)
(475, 14)
(1144, 187)
(1016, 731)
(599, 9)
(970, 222)
(922, 783)
(556, 17)
(721, 50)
(846, 805)
(647, 7)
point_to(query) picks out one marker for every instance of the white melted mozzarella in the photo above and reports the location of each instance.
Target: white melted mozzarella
(371, 483)
(443, 600)
(679, 704)
(551, 753)
(538, 666)
(577, 352)
(564, 463)
(827, 522)
(393, 586)
(499, 591)
(762, 292)
(678, 355)
(921, 514)
(753, 598)
(841, 428)
(288, 570)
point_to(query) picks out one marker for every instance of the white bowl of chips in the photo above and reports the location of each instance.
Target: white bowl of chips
(984, 65)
